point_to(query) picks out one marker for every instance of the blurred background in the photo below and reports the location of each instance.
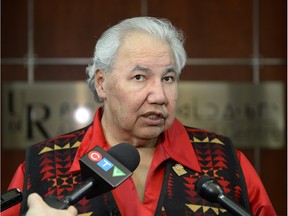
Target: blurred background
(235, 47)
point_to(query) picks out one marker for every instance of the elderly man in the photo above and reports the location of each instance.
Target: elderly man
(135, 73)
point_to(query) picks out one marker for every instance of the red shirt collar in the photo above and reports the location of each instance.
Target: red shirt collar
(177, 145)
(93, 137)
(174, 143)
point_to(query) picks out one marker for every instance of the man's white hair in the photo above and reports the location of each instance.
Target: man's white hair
(109, 43)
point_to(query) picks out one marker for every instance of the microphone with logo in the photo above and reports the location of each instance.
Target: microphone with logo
(101, 172)
(209, 190)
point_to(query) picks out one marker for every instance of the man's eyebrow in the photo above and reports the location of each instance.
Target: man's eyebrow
(141, 68)
(171, 69)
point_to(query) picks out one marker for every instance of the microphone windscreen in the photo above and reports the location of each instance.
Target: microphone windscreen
(202, 183)
(208, 189)
(126, 154)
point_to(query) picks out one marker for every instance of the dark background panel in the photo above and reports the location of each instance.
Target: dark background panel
(272, 28)
(71, 28)
(212, 28)
(229, 73)
(11, 73)
(274, 73)
(60, 73)
(13, 28)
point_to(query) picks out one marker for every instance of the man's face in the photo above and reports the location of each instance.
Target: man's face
(141, 91)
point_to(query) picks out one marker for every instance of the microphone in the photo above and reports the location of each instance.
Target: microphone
(10, 198)
(208, 189)
(101, 172)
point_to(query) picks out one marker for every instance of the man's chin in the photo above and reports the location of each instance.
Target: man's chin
(151, 132)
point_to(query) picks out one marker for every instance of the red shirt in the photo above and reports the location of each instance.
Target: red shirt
(126, 195)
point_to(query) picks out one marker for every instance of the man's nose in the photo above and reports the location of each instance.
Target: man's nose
(157, 94)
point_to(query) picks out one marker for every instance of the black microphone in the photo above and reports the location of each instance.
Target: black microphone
(10, 198)
(101, 172)
(208, 189)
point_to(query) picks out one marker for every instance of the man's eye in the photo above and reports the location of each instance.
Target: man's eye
(169, 79)
(138, 77)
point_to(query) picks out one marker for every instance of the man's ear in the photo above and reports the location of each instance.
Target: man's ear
(99, 81)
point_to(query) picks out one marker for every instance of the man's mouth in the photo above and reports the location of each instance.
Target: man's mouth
(154, 116)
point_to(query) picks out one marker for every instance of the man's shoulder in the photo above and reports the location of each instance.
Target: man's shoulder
(197, 135)
(201, 131)
(62, 140)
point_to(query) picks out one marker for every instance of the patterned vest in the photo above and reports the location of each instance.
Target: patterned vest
(48, 163)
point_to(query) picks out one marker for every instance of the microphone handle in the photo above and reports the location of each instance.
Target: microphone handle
(80, 192)
(232, 206)
(71, 198)
(55, 202)
(10, 198)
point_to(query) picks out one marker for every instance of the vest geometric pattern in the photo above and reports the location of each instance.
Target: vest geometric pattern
(48, 163)
(217, 158)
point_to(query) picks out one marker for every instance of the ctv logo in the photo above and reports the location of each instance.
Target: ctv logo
(95, 156)
(104, 163)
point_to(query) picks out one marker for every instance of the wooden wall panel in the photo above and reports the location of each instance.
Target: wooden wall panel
(71, 30)
(10, 160)
(274, 73)
(274, 178)
(13, 28)
(229, 73)
(13, 73)
(212, 28)
(273, 28)
(60, 73)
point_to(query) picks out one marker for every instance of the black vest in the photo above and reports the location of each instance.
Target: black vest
(48, 163)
